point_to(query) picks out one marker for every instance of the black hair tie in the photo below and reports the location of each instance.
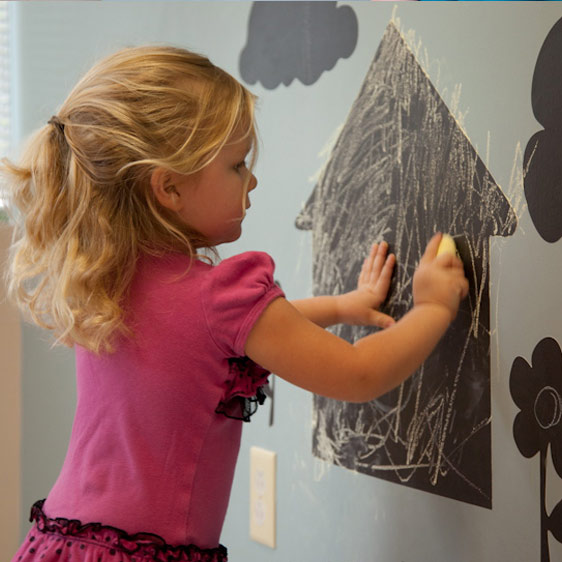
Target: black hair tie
(54, 120)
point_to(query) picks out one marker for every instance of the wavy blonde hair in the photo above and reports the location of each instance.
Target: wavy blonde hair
(84, 207)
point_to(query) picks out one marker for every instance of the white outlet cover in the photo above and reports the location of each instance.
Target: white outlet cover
(263, 496)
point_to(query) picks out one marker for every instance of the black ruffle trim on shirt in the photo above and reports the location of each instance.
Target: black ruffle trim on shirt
(241, 408)
(246, 390)
(143, 545)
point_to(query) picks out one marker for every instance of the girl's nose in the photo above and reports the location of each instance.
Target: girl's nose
(253, 183)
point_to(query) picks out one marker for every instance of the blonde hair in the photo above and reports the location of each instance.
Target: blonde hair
(81, 193)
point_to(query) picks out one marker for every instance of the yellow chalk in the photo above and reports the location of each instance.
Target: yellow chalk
(447, 245)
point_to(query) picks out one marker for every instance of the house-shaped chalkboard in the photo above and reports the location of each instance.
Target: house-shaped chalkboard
(401, 170)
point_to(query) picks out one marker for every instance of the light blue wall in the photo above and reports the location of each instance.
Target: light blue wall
(325, 513)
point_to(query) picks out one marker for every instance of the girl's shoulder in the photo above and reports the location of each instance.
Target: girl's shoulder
(246, 262)
(233, 295)
(233, 276)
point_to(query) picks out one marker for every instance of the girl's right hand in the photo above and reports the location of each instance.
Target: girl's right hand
(440, 279)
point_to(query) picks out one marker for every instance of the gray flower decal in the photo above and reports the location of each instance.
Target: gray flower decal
(537, 390)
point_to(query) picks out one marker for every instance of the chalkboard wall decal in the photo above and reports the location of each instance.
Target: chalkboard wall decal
(542, 162)
(296, 40)
(536, 389)
(400, 170)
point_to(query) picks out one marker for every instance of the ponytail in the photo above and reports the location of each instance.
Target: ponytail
(84, 208)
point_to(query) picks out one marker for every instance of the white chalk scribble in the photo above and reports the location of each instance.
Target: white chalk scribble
(401, 169)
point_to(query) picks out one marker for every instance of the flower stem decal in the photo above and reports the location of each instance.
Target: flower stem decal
(537, 391)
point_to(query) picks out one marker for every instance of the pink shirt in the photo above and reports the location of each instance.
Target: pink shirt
(148, 451)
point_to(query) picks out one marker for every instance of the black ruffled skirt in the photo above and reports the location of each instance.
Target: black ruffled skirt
(61, 540)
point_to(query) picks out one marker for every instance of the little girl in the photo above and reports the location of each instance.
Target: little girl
(121, 199)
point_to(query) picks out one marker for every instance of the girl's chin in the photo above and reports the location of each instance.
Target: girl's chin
(229, 238)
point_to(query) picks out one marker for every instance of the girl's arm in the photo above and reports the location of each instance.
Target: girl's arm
(358, 307)
(287, 343)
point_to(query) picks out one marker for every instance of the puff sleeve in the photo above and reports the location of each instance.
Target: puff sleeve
(236, 293)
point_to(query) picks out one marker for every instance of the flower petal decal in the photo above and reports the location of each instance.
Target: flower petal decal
(537, 390)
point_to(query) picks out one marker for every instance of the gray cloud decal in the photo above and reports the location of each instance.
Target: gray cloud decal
(296, 40)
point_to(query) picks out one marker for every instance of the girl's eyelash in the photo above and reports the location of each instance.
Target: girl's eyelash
(240, 164)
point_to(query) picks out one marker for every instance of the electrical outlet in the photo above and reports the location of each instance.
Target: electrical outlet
(262, 496)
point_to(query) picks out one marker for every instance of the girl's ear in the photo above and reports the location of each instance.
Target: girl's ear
(162, 184)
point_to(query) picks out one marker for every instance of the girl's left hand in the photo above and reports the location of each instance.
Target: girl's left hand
(360, 307)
